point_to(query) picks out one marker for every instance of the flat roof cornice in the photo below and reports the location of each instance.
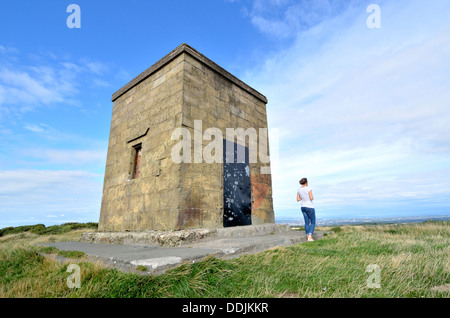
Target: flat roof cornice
(184, 48)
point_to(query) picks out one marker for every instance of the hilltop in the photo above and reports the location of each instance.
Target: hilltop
(390, 261)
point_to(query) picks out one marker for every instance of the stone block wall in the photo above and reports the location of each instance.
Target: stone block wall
(181, 88)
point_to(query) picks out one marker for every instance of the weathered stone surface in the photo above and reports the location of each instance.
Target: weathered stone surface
(180, 89)
(155, 263)
(164, 238)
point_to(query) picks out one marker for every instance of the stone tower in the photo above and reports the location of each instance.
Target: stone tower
(182, 108)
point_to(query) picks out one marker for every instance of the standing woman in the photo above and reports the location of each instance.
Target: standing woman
(305, 195)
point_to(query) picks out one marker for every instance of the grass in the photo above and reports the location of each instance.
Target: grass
(412, 258)
(41, 229)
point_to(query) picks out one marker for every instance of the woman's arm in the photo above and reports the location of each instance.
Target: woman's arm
(311, 196)
(298, 197)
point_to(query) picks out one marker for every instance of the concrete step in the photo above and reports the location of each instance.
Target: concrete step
(182, 237)
(234, 246)
(158, 259)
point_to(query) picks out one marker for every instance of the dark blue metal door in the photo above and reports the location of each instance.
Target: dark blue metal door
(236, 185)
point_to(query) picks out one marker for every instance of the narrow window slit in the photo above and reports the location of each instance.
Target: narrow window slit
(137, 161)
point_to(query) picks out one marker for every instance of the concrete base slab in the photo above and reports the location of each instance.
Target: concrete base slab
(183, 237)
(154, 263)
(157, 259)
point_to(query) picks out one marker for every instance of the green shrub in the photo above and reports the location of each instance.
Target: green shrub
(5, 230)
(141, 268)
(336, 229)
(41, 229)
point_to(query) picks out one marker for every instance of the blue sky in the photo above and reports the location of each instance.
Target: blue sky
(362, 113)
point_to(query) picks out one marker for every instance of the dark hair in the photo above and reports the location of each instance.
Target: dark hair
(303, 181)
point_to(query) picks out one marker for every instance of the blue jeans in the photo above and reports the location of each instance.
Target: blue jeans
(310, 220)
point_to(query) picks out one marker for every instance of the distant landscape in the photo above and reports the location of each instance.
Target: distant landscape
(368, 220)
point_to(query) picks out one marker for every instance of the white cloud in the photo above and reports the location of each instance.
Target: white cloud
(97, 68)
(100, 83)
(285, 18)
(48, 134)
(358, 107)
(68, 157)
(21, 87)
(43, 194)
(26, 85)
(8, 50)
(34, 128)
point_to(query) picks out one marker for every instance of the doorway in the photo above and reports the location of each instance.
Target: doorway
(236, 185)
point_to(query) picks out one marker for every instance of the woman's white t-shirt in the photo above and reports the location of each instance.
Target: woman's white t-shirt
(304, 195)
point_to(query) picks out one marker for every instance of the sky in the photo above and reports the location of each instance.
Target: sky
(361, 111)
